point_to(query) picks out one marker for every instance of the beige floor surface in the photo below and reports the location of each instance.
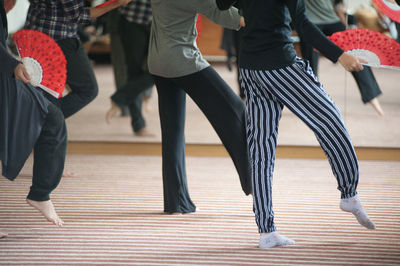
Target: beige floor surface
(113, 216)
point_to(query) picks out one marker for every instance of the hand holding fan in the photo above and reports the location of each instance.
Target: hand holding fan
(375, 48)
(390, 9)
(43, 59)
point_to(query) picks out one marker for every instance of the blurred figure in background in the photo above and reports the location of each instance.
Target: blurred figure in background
(134, 33)
(322, 14)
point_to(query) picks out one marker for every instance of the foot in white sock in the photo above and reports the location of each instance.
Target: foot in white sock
(354, 206)
(274, 239)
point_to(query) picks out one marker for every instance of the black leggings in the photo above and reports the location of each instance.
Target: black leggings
(225, 111)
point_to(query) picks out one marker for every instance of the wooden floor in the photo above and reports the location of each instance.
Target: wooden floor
(113, 215)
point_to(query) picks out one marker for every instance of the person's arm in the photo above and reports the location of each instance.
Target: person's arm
(229, 18)
(77, 13)
(99, 11)
(317, 39)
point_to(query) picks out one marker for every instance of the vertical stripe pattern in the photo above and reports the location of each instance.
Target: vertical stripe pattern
(297, 88)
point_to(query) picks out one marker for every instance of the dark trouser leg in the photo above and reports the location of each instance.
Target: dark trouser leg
(369, 88)
(237, 38)
(49, 156)
(135, 40)
(398, 32)
(172, 107)
(113, 24)
(135, 109)
(80, 77)
(117, 49)
(308, 53)
(226, 113)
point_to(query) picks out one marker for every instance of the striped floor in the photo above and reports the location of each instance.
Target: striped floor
(113, 216)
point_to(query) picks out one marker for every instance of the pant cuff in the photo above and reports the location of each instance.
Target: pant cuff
(38, 196)
(348, 195)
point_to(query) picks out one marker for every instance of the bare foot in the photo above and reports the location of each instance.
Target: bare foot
(375, 104)
(47, 209)
(144, 133)
(3, 235)
(113, 111)
(147, 104)
(68, 174)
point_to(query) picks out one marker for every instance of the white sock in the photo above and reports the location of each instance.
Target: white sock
(354, 206)
(274, 239)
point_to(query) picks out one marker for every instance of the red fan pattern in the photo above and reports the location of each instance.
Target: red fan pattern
(392, 10)
(44, 60)
(376, 48)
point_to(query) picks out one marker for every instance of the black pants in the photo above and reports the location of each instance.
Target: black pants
(369, 88)
(80, 77)
(135, 41)
(49, 155)
(226, 113)
(398, 31)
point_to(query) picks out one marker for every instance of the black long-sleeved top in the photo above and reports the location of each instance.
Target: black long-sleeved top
(266, 42)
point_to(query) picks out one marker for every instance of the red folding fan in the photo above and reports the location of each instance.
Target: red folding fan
(106, 3)
(375, 48)
(390, 9)
(43, 59)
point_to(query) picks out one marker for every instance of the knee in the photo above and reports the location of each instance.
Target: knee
(57, 123)
(92, 93)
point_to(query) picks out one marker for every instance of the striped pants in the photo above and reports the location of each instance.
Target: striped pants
(297, 88)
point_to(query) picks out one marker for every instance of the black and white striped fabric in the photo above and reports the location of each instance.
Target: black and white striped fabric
(297, 88)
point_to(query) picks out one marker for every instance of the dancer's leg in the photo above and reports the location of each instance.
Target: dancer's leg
(49, 158)
(80, 77)
(298, 89)
(264, 114)
(172, 108)
(226, 113)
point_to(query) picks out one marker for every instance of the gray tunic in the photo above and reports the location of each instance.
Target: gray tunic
(321, 12)
(172, 50)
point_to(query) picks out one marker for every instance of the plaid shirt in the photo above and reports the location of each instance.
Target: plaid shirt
(138, 11)
(57, 18)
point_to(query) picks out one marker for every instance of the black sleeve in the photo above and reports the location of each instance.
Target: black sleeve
(310, 32)
(398, 2)
(225, 4)
(8, 63)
